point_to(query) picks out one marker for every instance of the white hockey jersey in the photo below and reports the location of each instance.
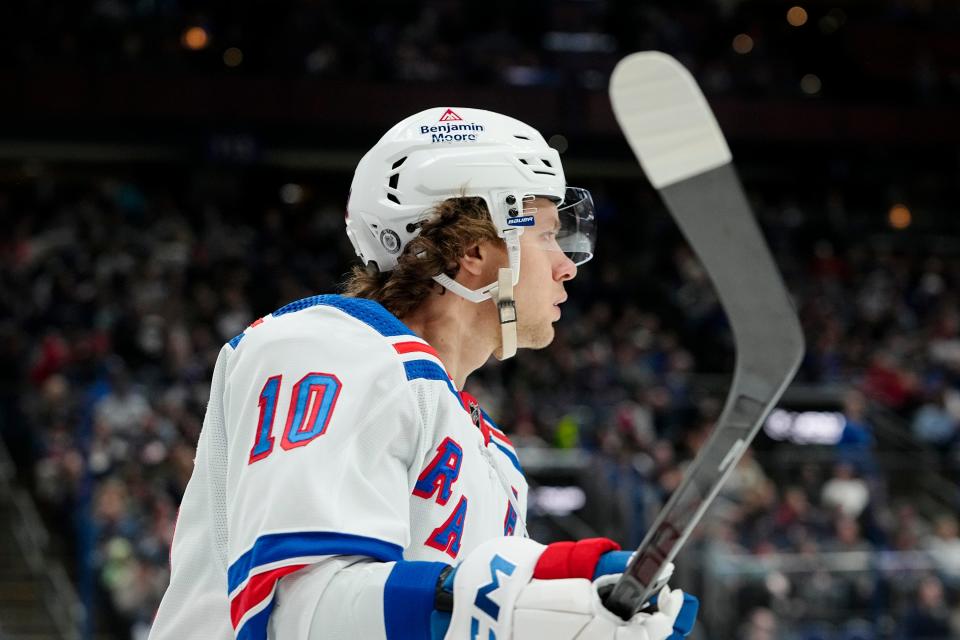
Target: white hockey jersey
(335, 449)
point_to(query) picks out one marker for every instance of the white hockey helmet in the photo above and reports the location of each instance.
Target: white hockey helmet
(443, 153)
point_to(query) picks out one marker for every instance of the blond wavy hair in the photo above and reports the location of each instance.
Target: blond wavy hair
(452, 227)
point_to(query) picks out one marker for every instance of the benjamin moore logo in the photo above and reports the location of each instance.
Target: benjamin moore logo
(449, 115)
(452, 131)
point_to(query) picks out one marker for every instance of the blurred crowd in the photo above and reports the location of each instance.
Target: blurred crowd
(117, 291)
(747, 46)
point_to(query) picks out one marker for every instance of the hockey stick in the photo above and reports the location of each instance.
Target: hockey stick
(673, 133)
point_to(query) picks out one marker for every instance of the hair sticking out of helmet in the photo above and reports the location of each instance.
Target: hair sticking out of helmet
(453, 152)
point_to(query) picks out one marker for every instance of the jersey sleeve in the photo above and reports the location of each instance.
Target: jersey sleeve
(323, 431)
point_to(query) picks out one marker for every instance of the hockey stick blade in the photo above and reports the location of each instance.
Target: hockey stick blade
(671, 129)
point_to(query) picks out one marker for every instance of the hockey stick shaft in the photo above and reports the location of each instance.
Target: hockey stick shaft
(769, 348)
(672, 130)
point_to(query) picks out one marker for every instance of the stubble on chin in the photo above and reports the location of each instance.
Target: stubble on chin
(535, 336)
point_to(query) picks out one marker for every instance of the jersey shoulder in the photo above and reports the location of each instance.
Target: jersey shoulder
(368, 319)
(345, 331)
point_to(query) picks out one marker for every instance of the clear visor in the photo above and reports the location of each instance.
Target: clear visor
(574, 233)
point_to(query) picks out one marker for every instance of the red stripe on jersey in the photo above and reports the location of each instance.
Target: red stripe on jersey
(414, 347)
(499, 435)
(256, 590)
(472, 407)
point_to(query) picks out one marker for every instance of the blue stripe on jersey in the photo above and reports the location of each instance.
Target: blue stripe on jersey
(510, 455)
(408, 598)
(366, 311)
(506, 451)
(256, 627)
(432, 371)
(369, 312)
(429, 370)
(276, 547)
(489, 420)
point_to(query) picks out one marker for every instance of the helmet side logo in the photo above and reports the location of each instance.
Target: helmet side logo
(449, 116)
(390, 240)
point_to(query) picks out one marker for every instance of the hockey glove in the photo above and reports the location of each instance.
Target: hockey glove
(517, 588)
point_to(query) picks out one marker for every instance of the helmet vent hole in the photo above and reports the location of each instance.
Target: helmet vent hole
(546, 162)
(394, 179)
(399, 162)
(517, 135)
(392, 198)
(544, 173)
(524, 161)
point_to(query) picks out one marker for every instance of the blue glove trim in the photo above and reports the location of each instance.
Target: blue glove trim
(686, 618)
(612, 562)
(408, 599)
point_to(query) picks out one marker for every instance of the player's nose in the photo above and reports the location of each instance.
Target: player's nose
(564, 269)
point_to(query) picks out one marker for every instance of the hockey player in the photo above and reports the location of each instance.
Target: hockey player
(345, 486)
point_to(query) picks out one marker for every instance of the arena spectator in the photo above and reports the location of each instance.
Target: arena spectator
(930, 616)
(845, 492)
(944, 546)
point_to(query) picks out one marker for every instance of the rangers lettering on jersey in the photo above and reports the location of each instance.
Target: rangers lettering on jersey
(447, 536)
(441, 473)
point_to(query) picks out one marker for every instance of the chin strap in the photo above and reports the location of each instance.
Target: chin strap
(507, 309)
(501, 292)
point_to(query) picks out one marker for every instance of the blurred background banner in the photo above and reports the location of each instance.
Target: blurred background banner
(171, 171)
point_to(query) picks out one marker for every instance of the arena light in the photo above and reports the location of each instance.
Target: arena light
(558, 142)
(899, 216)
(810, 84)
(742, 44)
(805, 427)
(828, 24)
(797, 16)
(558, 501)
(291, 193)
(195, 38)
(232, 57)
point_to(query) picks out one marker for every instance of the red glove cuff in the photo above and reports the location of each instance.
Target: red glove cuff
(572, 559)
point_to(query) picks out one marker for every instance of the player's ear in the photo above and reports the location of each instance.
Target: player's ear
(481, 258)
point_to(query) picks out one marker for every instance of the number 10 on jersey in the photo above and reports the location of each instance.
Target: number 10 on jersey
(311, 405)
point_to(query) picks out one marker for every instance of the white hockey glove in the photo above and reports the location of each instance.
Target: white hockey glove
(516, 588)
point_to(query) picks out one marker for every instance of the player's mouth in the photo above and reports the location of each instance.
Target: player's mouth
(556, 305)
